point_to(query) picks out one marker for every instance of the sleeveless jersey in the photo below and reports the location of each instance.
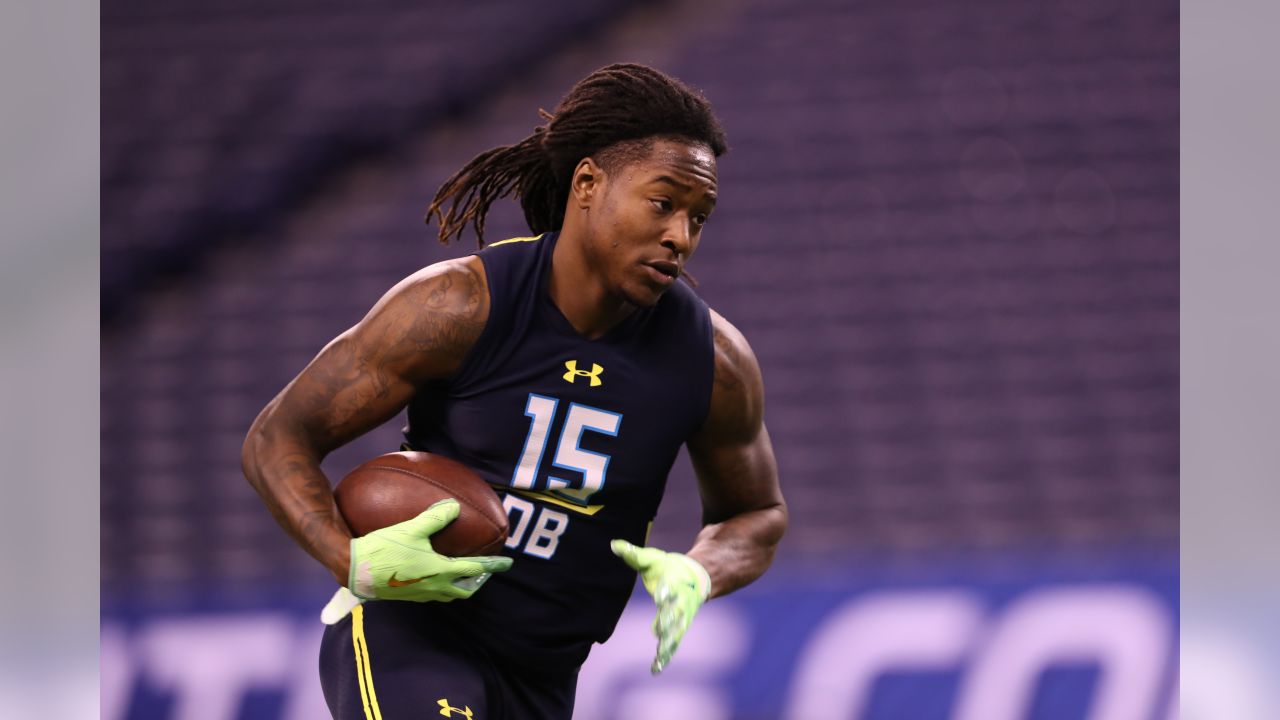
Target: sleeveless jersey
(577, 436)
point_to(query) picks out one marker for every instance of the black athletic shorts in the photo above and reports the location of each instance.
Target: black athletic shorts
(382, 662)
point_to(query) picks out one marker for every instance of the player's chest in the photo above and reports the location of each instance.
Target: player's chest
(577, 416)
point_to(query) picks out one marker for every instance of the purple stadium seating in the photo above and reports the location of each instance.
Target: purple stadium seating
(949, 231)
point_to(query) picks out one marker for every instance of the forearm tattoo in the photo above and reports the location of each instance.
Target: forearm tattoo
(360, 380)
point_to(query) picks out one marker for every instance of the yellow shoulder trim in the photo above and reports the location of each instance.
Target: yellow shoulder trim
(513, 240)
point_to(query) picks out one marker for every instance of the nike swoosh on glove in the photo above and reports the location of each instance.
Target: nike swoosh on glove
(398, 563)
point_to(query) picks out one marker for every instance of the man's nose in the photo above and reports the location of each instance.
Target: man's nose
(677, 238)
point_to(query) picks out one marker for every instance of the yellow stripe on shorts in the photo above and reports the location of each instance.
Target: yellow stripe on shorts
(364, 673)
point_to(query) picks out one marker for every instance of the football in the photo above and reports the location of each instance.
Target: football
(398, 486)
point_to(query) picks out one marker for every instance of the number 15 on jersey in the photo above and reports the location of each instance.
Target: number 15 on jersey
(569, 455)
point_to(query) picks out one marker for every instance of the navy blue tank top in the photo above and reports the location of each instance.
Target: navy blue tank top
(577, 436)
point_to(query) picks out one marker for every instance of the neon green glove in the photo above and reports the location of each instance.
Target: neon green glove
(679, 585)
(397, 562)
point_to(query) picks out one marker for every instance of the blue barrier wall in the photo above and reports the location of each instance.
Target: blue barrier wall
(1022, 639)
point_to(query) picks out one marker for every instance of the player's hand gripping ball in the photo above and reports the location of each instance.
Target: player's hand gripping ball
(413, 539)
(399, 563)
(679, 585)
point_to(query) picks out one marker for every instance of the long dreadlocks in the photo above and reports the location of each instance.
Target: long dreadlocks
(610, 115)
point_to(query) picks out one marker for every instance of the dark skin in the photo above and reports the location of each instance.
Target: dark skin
(625, 238)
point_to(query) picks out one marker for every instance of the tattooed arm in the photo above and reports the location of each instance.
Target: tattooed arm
(743, 513)
(419, 331)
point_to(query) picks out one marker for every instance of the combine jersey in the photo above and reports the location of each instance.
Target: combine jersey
(577, 436)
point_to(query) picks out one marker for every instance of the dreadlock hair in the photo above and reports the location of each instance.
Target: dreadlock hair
(612, 115)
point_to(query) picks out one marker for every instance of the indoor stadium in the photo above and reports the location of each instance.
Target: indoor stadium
(949, 232)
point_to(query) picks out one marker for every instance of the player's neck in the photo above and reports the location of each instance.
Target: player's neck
(579, 291)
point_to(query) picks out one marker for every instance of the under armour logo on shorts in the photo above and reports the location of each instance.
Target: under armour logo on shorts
(447, 710)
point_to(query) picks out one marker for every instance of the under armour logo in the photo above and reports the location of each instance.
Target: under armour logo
(448, 710)
(575, 372)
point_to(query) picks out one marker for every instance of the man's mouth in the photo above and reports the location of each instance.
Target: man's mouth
(666, 267)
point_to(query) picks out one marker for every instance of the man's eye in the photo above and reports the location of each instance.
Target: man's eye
(700, 219)
(663, 205)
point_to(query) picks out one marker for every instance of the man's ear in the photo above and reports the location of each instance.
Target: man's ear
(587, 183)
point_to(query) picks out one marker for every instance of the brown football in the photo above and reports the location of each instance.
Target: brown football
(397, 486)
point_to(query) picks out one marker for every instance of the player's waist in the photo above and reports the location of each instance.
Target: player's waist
(543, 647)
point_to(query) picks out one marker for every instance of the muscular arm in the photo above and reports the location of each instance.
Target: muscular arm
(743, 513)
(419, 331)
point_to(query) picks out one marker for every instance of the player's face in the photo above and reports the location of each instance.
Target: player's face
(651, 218)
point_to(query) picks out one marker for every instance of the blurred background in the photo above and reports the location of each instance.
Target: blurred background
(949, 230)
